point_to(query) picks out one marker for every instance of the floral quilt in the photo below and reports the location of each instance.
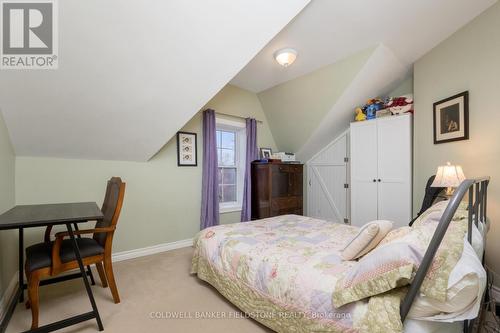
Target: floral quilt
(283, 272)
(292, 262)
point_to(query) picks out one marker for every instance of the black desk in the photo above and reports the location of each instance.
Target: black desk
(29, 216)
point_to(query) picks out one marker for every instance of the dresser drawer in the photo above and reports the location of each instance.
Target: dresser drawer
(295, 168)
(287, 203)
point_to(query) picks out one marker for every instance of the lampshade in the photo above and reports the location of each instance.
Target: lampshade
(448, 176)
(285, 57)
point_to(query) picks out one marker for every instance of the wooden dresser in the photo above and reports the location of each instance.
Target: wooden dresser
(276, 189)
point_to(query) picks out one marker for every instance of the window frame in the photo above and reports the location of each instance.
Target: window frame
(239, 128)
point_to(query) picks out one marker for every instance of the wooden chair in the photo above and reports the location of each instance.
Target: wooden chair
(51, 258)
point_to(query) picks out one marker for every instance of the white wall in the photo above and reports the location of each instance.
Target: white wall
(7, 195)
(468, 60)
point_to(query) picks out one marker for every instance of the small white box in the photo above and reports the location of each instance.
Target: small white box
(284, 157)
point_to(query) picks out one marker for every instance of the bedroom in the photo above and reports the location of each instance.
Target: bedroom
(126, 80)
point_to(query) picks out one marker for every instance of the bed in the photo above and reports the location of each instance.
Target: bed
(287, 272)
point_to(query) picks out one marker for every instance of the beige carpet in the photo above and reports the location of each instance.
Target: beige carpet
(158, 283)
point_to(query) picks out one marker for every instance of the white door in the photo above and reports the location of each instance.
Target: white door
(327, 174)
(394, 169)
(363, 161)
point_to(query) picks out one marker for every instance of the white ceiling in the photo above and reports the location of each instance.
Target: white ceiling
(132, 73)
(329, 30)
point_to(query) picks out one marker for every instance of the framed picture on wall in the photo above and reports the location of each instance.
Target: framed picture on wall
(187, 149)
(451, 119)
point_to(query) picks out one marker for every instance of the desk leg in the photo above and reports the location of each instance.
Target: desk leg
(21, 264)
(84, 276)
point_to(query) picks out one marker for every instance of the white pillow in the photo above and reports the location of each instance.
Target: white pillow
(366, 239)
(466, 284)
(477, 240)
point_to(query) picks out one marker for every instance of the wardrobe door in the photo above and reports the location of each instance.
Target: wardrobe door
(363, 172)
(394, 136)
(261, 191)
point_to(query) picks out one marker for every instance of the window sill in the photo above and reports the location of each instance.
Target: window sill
(230, 209)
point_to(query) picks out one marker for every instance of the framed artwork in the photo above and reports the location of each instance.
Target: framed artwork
(451, 119)
(187, 149)
(265, 153)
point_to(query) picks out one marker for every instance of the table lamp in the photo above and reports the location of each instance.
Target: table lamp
(449, 176)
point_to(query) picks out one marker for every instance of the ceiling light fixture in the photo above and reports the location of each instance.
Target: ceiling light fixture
(285, 57)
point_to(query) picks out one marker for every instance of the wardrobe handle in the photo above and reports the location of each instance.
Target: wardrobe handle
(379, 180)
(374, 180)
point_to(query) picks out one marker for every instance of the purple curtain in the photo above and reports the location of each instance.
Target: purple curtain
(251, 155)
(210, 182)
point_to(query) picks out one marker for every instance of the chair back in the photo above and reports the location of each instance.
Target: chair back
(431, 193)
(111, 208)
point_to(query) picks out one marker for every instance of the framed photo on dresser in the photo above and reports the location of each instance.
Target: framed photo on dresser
(451, 119)
(265, 153)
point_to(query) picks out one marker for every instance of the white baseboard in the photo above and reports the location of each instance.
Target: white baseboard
(119, 256)
(8, 293)
(146, 251)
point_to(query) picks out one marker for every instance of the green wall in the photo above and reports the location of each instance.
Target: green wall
(404, 88)
(162, 200)
(7, 195)
(296, 108)
(468, 60)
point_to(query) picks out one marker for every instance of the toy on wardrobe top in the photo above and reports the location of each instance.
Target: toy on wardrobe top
(376, 107)
(400, 105)
(360, 115)
(372, 106)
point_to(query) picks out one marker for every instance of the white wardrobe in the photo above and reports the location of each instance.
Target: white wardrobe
(381, 170)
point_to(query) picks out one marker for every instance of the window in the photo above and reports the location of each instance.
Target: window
(231, 139)
(226, 153)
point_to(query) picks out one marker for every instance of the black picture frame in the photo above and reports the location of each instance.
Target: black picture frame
(181, 161)
(265, 153)
(451, 115)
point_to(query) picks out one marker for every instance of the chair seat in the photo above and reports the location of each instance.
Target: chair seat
(40, 255)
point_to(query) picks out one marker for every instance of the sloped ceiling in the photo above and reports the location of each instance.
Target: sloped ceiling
(296, 108)
(328, 31)
(131, 73)
(376, 78)
(307, 113)
(307, 104)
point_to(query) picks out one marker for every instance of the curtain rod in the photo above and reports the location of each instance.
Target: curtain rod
(234, 116)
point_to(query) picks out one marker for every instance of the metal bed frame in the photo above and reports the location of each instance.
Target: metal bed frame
(477, 196)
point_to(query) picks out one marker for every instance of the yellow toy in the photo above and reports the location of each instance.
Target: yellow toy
(360, 116)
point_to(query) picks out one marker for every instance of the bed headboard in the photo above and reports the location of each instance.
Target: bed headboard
(477, 190)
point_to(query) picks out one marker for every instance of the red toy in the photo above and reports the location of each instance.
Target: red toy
(400, 105)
